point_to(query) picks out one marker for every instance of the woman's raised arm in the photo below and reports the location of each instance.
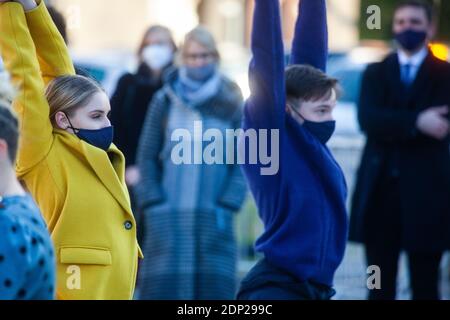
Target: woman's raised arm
(18, 53)
(54, 58)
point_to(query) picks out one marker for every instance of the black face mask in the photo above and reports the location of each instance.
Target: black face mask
(323, 131)
(101, 138)
(411, 40)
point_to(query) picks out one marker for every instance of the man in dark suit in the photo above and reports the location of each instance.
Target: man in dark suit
(402, 197)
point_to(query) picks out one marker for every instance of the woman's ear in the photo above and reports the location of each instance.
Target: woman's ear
(61, 121)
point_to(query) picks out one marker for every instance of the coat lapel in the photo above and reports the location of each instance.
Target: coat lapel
(109, 167)
(394, 76)
(110, 170)
(419, 88)
(422, 83)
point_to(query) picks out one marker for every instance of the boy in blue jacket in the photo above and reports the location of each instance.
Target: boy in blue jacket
(27, 266)
(303, 204)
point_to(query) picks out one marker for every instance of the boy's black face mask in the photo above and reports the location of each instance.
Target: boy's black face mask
(323, 131)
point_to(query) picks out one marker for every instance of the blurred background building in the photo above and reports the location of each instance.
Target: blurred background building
(116, 24)
(112, 24)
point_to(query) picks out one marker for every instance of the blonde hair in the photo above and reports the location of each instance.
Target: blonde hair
(68, 93)
(202, 36)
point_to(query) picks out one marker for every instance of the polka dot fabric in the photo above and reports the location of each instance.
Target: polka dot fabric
(27, 264)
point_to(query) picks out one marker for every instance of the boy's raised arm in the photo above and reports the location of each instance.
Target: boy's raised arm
(266, 106)
(310, 44)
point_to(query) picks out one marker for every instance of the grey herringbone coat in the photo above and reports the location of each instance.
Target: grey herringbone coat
(189, 244)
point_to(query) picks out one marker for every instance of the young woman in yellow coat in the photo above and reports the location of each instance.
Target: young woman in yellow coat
(67, 160)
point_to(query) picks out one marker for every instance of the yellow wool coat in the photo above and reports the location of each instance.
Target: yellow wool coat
(80, 189)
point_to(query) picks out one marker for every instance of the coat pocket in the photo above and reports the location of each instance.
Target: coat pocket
(85, 255)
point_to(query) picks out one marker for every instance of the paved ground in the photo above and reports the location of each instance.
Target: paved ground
(351, 277)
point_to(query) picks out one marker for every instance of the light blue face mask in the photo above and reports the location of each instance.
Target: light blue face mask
(101, 138)
(201, 73)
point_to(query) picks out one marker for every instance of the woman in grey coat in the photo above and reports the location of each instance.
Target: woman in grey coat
(189, 205)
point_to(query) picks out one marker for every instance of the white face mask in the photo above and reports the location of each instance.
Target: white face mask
(157, 56)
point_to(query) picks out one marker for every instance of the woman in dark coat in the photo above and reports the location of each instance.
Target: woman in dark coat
(134, 93)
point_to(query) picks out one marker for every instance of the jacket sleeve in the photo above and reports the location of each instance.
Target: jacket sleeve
(52, 52)
(310, 44)
(447, 82)
(118, 100)
(378, 121)
(118, 111)
(18, 52)
(266, 105)
(13, 264)
(234, 190)
(149, 190)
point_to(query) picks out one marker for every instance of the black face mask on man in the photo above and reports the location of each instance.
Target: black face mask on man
(411, 40)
